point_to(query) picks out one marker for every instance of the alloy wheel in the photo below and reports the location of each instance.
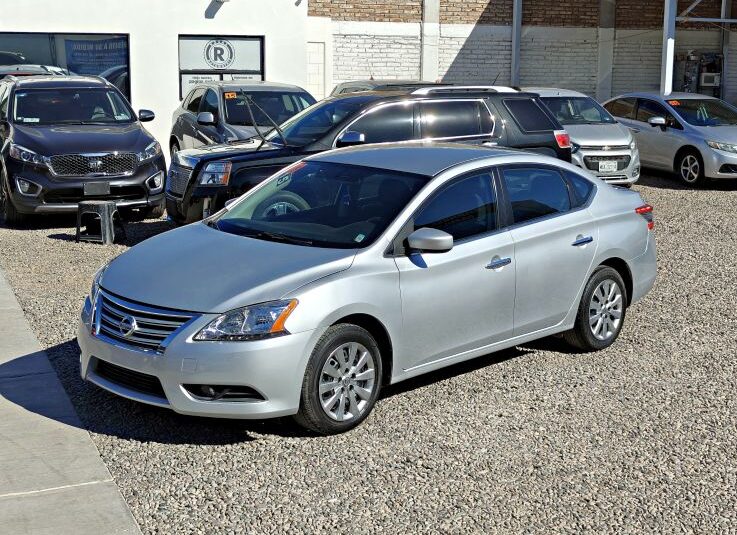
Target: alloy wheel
(347, 382)
(690, 168)
(279, 208)
(605, 310)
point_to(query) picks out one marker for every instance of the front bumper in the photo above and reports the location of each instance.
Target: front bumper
(274, 368)
(628, 174)
(719, 164)
(61, 194)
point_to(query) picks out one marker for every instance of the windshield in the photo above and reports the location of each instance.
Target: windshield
(578, 110)
(279, 105)
(705, 112)
(70, 106)
(316, 121)
(323, 205)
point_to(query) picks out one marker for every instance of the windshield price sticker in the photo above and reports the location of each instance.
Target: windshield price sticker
(674, 102)
(230, 95)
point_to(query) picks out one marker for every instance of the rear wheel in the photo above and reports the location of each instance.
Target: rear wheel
(601, 311)
(690, 168)
(342, 381)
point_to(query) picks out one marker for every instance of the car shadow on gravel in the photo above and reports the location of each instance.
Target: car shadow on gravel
(665, 180)
(135, 231)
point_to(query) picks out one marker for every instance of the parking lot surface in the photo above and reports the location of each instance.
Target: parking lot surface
(638, 438)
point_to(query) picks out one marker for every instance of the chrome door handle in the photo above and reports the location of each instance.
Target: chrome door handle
(582, 240)
(497, 263)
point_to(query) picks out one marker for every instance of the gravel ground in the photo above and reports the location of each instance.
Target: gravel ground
(641, 437)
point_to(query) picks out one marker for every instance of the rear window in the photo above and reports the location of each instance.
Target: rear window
(529, 115)
(455, 119)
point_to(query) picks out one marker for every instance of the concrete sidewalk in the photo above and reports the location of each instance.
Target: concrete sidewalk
(52, 479)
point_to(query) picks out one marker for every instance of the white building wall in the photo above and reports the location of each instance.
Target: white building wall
(154, 26)
(475, 53)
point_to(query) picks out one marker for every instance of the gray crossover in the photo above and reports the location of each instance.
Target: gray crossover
(360, 267)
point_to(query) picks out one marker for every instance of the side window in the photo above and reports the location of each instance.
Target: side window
(210, 103)
(528, 114)
(465, 208)
(648, 108)
(535, 192)
(623, 107)
(388, 123)
(582, 188)
(454, 119)
(194, 100)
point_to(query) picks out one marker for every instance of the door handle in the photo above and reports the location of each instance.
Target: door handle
(635, 130)
(582, 240)
(497, 263)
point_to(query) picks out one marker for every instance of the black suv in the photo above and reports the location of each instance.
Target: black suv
(66, 139)
(202, 180)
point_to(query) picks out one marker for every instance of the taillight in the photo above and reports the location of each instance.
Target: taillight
(646, 211)
(563, 139)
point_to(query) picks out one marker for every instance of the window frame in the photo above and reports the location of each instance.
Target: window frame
(372, 109)
(670, 117)
(191, 96)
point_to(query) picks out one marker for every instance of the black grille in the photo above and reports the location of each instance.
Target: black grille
(592, 162)
(140, 382)
(75, 195)
(94, 165)
(178, 179)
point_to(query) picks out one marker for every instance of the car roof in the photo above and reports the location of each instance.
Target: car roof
(417, 157)
(439, 92)
(251, 85)
(51, 81)
(554, 92)
(658, 95)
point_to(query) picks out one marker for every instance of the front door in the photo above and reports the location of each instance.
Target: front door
(462, 299)
(658, 143)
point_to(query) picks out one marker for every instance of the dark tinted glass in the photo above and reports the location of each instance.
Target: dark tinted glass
(194, 102)
(529, 115)
(451, 119)
(210, 103)
(536, 192)
(388, 123)
(648, 109)
(70, 106)
(582, 188)
(623, 107)
(577, 110)
(464, 208)
(275, 105)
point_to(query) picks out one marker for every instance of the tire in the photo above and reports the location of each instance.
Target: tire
(690, 168)
(282, 203)
(587, 335)
(341, 348)
(193, 212)
(154, 212)
(8, 211)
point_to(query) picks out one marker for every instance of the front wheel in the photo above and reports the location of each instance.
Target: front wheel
(601, 311)
(11, 216)
(342, 381)
(691, 168)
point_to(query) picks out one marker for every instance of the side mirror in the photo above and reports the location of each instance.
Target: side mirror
(657, 121)
(350, 138)
(430, 240)
(146, 115)
(206, 118)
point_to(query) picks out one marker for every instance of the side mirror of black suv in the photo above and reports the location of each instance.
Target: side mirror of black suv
(146, 115)
(350, 138)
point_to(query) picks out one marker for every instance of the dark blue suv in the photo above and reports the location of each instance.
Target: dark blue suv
(65, 139)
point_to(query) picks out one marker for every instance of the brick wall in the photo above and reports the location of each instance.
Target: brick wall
(632, 14)
(577, 13)
(358, 57)
(484, 56)
(367, 10)
(476, 12)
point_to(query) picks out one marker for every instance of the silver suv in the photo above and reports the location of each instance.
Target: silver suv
(599, 143)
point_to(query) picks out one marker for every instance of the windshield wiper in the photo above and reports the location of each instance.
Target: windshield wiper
(248, 100)
(275, 236)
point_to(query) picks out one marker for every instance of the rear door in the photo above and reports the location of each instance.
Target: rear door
(555, 240)
(208, 134)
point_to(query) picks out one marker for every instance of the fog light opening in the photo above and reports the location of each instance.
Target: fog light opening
(223, 393)
(155, 183)
(26, 187)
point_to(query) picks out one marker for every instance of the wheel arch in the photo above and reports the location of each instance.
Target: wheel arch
(380, 334)
(621, 267)
(172, 140)
(681, 151)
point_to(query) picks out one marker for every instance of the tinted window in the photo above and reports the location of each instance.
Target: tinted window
(453, 119)
(464, 208)
(648, 109)
(387, 123)
(536, 192)
(623, 107)
(210, 103)
(582, 188)
(529, 115)
(274, 106)
(70, 106)
(194, 101)
(577, 110)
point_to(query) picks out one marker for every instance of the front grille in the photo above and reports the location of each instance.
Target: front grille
(145, 327)
(140, 382)
(76, 195)
(592, 162)
(605, 147)
(111, 164)
(178, 179)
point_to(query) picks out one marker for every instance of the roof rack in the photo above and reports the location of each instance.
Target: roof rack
(464, 89)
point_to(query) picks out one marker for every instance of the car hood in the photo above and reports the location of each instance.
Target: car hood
(613, 134)
(71, 139)
(200, 269)
(234, 131)
(248, 149)
(723, 134)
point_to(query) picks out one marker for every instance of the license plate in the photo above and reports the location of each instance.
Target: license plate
(607, 166)
(96, 188)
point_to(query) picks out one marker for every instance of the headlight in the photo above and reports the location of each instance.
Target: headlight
(633, 145)
(27, 156)
(249, 323)
(152, 151)
(216, 174)
(727, 147)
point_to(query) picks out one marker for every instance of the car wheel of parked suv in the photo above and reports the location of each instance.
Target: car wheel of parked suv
(282, 203)
(154, 212)
(690, 168)
(342, 380)
(10, 215)
(601, 311)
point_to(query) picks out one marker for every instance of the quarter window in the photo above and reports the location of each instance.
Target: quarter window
(387, 123)
(195, 100)
(529, 115)
(535, 193)
(463, 209)
(582, 188)
(454, 119)
(623, 107)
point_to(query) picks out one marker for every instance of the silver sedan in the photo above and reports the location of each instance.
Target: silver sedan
(372, 265)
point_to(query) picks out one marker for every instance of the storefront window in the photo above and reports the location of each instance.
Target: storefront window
(104, 55)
